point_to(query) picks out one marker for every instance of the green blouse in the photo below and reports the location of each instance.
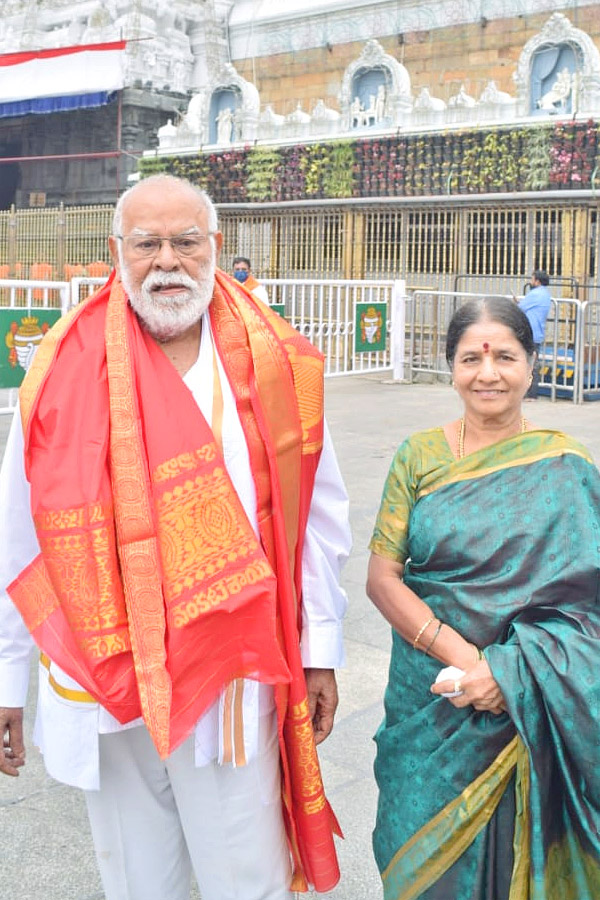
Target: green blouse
(418, 456)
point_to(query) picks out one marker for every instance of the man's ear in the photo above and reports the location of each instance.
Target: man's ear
(218, 236)
(114, 253)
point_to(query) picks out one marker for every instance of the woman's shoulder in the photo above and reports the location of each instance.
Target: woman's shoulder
(424, 449)
(559, 442)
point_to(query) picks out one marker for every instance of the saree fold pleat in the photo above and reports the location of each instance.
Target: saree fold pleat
(152, 590)
(504, 546)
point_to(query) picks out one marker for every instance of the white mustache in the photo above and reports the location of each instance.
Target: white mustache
(168, 279)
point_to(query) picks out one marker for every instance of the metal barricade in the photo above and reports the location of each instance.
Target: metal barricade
(18, 293)
(568, 355)
(82, 287)
(328, 313)
(27, 309)
(431, 312)
(560, 369)
(589, 351)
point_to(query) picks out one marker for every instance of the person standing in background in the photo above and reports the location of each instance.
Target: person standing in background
(536, 306)
(242, 273)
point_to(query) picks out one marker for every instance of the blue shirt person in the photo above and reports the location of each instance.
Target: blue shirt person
(536, 306)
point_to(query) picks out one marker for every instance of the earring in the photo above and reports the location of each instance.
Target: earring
(530, 379)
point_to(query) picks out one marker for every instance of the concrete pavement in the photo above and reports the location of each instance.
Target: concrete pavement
(46, 851)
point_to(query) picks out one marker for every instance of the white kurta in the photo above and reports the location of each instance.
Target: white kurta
(260, 292)
(66, 730)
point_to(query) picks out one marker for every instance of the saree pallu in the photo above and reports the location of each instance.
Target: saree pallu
(504, 546)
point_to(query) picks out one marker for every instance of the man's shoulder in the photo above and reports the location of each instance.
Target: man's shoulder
(535, 296)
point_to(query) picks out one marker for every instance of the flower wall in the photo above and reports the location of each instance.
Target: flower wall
(544, 157)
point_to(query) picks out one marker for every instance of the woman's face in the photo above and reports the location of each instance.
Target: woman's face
(491, 371)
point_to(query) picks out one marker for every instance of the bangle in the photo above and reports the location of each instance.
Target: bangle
(421, 630)
(434, 638)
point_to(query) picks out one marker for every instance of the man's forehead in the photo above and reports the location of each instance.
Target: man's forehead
(144, 208)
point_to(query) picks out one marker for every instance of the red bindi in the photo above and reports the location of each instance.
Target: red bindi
(486, 347)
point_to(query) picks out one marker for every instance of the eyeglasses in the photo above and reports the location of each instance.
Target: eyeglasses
(145, 246)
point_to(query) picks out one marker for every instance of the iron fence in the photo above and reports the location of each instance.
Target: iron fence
(460, 243)
(329, 314)
(360, 326)
(589, 356)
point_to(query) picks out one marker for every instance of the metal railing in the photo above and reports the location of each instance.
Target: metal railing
(16, 293)
(328, 313)
(560, 369)
(430, 314)
(81, 287)
(589, 355)
(408, 338)
(473, 243)
(569, 354)
(27, 308)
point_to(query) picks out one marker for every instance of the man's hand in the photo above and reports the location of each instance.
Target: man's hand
(12, 749)
(322, 700)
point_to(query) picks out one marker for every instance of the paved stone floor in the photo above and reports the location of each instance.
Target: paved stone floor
(45, 850)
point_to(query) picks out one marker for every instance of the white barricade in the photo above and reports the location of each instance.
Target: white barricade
(27, 307)
(344, 319)
(589, 355)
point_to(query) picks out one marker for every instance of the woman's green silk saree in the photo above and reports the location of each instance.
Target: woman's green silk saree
(504, 546)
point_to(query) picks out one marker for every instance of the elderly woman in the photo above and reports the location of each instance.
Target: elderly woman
(486, 558)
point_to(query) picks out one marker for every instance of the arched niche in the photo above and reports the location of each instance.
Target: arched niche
(222, 117)
(558, 71)
(375, 90)
(229, 91)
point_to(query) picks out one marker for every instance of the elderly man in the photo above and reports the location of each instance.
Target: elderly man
(173, 524)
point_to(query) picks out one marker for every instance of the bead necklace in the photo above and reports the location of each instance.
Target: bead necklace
(461, 435)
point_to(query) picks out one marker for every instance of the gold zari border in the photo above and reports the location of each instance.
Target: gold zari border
(450, 832)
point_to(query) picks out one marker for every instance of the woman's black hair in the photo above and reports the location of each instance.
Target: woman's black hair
(496, 309)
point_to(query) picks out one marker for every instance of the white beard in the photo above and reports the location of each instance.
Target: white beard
(167, 318)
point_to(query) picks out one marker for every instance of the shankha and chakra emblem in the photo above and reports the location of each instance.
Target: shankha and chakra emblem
(23, 339)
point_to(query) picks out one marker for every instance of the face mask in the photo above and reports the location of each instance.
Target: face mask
(241, 275)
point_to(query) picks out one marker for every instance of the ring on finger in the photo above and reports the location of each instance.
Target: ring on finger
(457, 687)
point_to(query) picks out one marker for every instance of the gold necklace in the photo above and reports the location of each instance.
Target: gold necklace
(461, 435)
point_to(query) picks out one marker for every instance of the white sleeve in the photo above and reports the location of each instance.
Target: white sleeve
(260, 292)
(326, 548)
(19, 544)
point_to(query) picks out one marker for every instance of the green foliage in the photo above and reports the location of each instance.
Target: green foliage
(315, 163)
(538, 142)
(535, 158)
(261, 167)
(153, 165)
(195, 168)
(338, 174)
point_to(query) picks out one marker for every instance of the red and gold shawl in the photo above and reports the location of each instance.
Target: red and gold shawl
(151, 589)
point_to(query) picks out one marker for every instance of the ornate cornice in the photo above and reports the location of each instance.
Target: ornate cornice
(283, 32)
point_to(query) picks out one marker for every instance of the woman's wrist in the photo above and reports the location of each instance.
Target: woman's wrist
(469, 656)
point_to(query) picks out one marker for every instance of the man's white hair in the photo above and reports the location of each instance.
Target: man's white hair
(168, 182)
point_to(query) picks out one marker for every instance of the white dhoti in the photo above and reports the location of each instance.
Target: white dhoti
(154, 821)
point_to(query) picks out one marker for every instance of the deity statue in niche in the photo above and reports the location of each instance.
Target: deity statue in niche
(380, 104)
(356, 114)
(555, 100)
(224, 125)
(553, 79)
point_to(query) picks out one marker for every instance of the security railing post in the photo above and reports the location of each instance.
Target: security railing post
(398, 336)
